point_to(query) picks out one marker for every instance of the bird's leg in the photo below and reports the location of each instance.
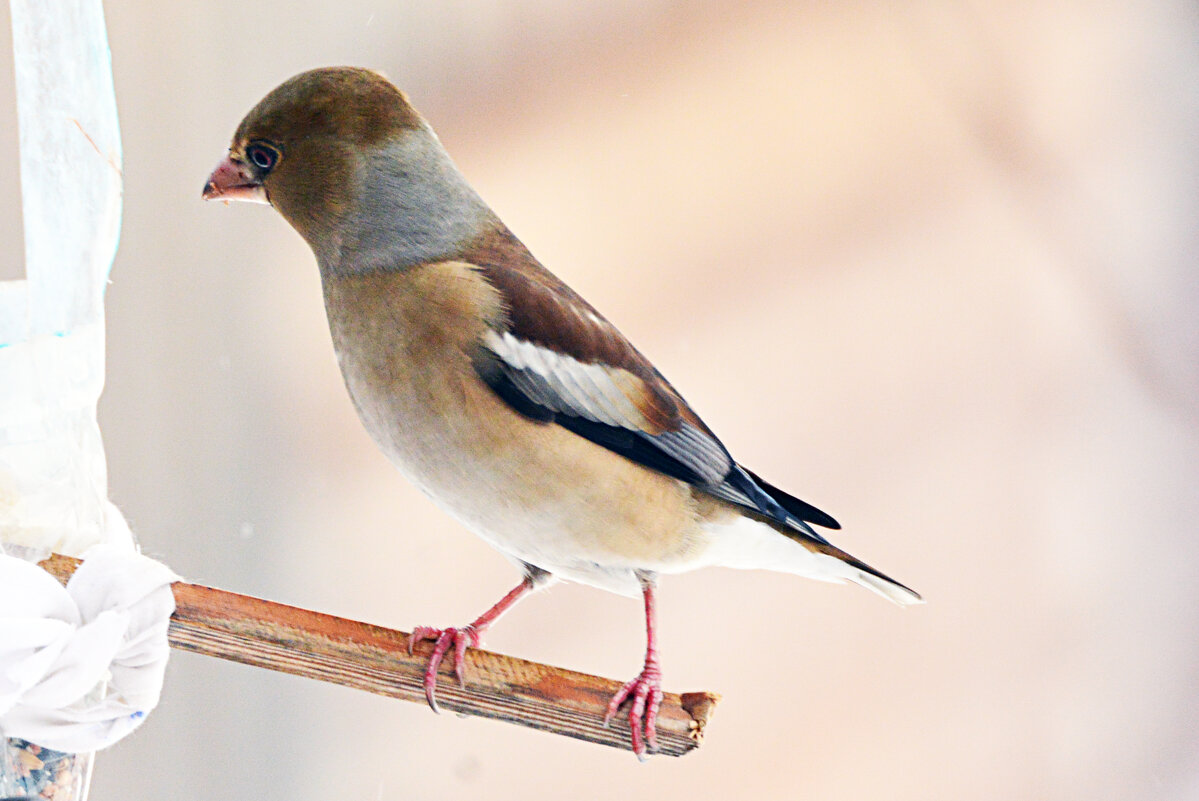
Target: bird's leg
(466, 636)
(645, 690)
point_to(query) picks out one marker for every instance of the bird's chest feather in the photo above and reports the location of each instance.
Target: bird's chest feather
(405, 343)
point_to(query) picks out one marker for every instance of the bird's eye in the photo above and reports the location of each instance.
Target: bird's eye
(264, 157)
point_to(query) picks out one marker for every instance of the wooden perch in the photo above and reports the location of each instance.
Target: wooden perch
(365, 657)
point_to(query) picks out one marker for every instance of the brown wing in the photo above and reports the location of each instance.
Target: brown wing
(554, 358)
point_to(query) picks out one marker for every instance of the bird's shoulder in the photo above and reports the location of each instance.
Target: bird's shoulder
(546, 327)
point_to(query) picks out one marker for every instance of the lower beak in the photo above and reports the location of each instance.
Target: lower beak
(232, 180)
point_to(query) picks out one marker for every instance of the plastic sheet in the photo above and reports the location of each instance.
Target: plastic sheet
(52, 471)
(53, 484)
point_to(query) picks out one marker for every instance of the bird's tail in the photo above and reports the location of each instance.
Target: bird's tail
(861, 573)
(887, 587)
(758, 543)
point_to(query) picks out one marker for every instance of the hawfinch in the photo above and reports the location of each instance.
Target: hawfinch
(494, 387)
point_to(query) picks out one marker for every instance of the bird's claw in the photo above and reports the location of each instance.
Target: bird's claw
(457, 638)
(645, 692)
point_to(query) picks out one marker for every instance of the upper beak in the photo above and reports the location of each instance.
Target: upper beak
(232, 180)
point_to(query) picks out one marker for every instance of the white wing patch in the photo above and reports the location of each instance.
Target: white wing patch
(601, 394)
(566, 385)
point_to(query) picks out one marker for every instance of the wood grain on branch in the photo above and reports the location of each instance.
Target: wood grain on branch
(365, 657)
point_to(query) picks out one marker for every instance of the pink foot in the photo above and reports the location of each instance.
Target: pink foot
(457, 638)
(465, 637)
(646, 694)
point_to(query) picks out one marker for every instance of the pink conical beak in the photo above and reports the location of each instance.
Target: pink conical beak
(232, 180)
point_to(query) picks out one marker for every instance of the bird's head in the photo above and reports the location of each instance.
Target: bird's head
(347, 160)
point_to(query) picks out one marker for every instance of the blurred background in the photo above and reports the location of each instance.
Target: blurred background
(930, 266)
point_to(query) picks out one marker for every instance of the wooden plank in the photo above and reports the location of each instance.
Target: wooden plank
(361, 656)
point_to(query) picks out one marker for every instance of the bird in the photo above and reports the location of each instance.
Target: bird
(495, 388)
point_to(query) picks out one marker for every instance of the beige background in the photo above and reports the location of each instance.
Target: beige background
(931, 266)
